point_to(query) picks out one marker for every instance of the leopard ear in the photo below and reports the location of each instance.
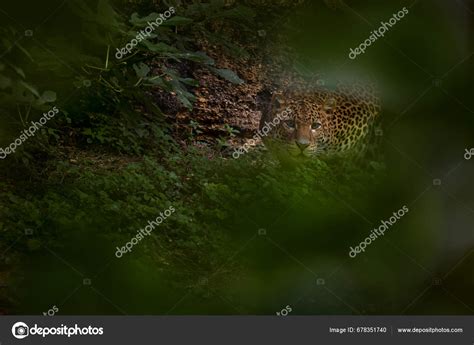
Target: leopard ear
(278, 102)
(266, 101)
(329, 104)
(269, 103)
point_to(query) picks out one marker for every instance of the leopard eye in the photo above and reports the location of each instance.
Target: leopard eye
(290, 123)
(315, 125)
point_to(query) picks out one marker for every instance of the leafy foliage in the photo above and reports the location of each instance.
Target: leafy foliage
(58, 186)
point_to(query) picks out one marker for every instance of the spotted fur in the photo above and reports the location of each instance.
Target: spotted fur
(323, 121)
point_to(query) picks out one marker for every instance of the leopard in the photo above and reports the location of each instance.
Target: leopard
(319, 121)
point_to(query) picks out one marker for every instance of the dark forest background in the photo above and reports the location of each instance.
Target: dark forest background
(249, 236)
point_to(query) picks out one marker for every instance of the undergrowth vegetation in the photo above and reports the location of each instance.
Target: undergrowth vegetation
(57, 182)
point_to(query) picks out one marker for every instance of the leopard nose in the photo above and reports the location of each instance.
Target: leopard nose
(302, 144)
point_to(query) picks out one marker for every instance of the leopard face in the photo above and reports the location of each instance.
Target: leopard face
(301, 130)
(321, 121)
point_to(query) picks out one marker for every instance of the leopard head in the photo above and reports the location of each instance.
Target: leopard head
(303, 128)
(321, 121)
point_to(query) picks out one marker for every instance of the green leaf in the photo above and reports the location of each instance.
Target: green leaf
(33, 244)
(136, 20)
(176, 21)
(141, 69)
(87, 131)
(196, 57)
(189, 81)
(4, 82)
(227, 74)
(19, 71)
(19, 46)
(30, 88)
(48, 96)
(160, 82)
(159, 47)
(187, 99)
